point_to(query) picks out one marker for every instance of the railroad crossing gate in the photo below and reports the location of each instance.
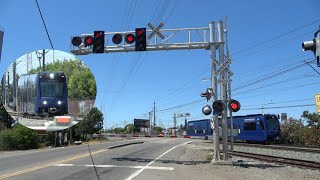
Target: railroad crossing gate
(317, 101)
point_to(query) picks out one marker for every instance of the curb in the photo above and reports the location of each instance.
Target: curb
(127, 144)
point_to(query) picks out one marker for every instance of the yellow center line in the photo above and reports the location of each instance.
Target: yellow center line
(49, 164)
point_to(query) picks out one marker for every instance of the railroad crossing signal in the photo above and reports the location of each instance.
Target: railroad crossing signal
(98, 42)
(155, 30)
(141, 39)
(218, 106)
(224, 68)
(206, 110)
(234, 105)
(317, 101)
(206, 94)
(313, 46)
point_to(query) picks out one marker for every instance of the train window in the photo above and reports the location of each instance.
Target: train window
(272, 124)
(51, 89)
(250, 126)
(261, 125)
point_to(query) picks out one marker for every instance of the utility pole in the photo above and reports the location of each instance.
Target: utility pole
(14, 86)
(174, 123)
(8, 92)
(154, 115)
(43, 60)
(4, 89)
(229, 84)
(216, 155)
(223, 92)
(150, 122)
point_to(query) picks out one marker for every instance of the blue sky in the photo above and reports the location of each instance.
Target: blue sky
(128, 85)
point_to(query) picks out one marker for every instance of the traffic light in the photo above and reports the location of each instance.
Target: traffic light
(313, 46)
(98, 42)
(234, 105)
(218, 106)
(141, 39)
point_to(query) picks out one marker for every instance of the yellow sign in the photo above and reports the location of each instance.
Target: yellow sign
(317, 100)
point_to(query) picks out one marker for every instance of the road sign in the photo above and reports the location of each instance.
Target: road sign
(317, 101)
(155, 30)
(215, 61)
(228, 71)
(224, 81)
(223, 67)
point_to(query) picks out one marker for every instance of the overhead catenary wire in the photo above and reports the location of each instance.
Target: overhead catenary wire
(281, 102)
(253, 82)
(277, 37)
(44, 24)
(279, 107)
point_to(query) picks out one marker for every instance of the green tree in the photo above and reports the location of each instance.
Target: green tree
(92, 123)
(293, 131)
(5, 117)
(81, 82)
(19, 138)
(158, 129)
(313, 119)
(119, 130)
(129, 129)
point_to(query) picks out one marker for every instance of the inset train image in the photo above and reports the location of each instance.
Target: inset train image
(42, 94)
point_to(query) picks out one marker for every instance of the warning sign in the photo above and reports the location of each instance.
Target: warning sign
(317, 100)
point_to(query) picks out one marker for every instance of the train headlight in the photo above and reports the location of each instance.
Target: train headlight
(51, 76)
(45, 102)
(59, 102)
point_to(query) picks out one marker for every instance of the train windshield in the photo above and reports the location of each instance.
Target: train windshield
(272, 123)
(51, 89)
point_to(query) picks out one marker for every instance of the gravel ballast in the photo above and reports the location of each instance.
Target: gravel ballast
(242, 168)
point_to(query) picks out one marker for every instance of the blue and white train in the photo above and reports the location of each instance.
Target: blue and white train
(42, 94)
(250, 128)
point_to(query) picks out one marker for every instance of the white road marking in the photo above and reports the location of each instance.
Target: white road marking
(116, 166)
(146, 166)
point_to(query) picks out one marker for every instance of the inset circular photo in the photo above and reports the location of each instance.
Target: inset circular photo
(48, 90)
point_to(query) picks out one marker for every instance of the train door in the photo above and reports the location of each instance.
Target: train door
(249, 130)
(261, 131)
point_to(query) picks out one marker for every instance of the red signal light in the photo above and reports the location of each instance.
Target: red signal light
(97, 34)
(98, 42)
(88, 41)
(139, 31)
(130, 38)
(234, 105)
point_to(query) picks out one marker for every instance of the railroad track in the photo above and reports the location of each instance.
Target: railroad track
(282, 147)
(279, 160)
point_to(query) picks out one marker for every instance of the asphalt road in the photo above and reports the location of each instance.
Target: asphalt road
(156, 158)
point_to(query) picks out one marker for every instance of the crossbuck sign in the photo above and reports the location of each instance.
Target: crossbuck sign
(155, 31)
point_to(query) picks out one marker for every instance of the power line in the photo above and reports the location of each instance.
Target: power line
(253, 82)
(272, 84)
(287, 88)
(280, 107)
(277, 37)
(297, 100)
(44, 25)
(187, 104)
